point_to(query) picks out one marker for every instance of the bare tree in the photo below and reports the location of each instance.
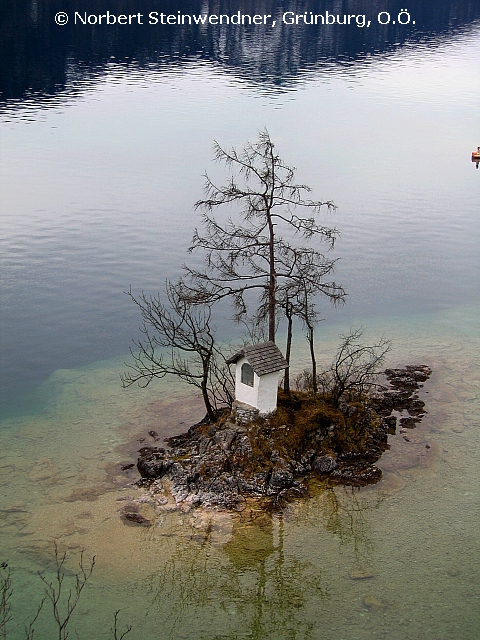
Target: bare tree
(288, 349)
(5, 597)
(6, 616)
(114, 629)
(54, 591)
(30, 629)
(62, 611)
(300, 302)
(178, 339)
(356, 367)
(305, 309)
(252, 256)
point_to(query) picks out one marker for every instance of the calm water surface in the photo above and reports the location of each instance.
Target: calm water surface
(98, 179)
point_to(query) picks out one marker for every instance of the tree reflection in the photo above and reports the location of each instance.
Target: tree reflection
(345, 514)
(40, 60)
(251, 587)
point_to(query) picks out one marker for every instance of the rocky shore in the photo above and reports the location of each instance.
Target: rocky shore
(273, 459)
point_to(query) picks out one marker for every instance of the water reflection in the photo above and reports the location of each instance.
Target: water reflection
(345, 515)
(40, 60)
(243, 573)
(264, 575)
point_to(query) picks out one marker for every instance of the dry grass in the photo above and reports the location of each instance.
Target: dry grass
(305, 424)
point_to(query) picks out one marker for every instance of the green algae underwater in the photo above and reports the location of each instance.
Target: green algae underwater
(399, 559)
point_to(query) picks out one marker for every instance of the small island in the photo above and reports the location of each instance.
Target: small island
(272, 459)
(258, 441)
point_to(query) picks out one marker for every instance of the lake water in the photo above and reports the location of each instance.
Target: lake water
(104, 139)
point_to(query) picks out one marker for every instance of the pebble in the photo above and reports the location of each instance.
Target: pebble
(361, 575)
(373, 603)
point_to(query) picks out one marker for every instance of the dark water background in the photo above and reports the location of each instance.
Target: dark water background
(39, 61)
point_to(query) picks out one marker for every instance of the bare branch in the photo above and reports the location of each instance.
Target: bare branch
(356, 367)
(253, 256)
(114, 629)
(53, 591)
(5, 597)
(179, 340)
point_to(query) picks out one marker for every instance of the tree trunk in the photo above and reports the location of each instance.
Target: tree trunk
(312, 356)
(288, 313)
(208, 404)
(204, 387)
(271, 280)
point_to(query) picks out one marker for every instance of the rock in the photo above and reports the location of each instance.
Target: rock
(203, 445)
(212, 430)
(409, 423)
(243, 413)
(44, 470)
(323, 465)
(85, 494)
(243, 446)
(371, 602)
(251, 487)
(179, 491)
(357, 475)
(225, 438)
(177, 471)
(361, 575)
(279, 480)
(154, 466)
(391, 424)
(147, 451)
(131, 515)
(135, 518)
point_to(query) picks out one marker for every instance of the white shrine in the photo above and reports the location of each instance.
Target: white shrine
(257, 372)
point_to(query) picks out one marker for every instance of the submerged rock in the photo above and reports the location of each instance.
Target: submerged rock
(361, 575)
(130, 514)
(357, 475)
(374, 603)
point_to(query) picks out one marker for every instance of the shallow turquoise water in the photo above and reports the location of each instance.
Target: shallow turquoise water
(206, 574)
